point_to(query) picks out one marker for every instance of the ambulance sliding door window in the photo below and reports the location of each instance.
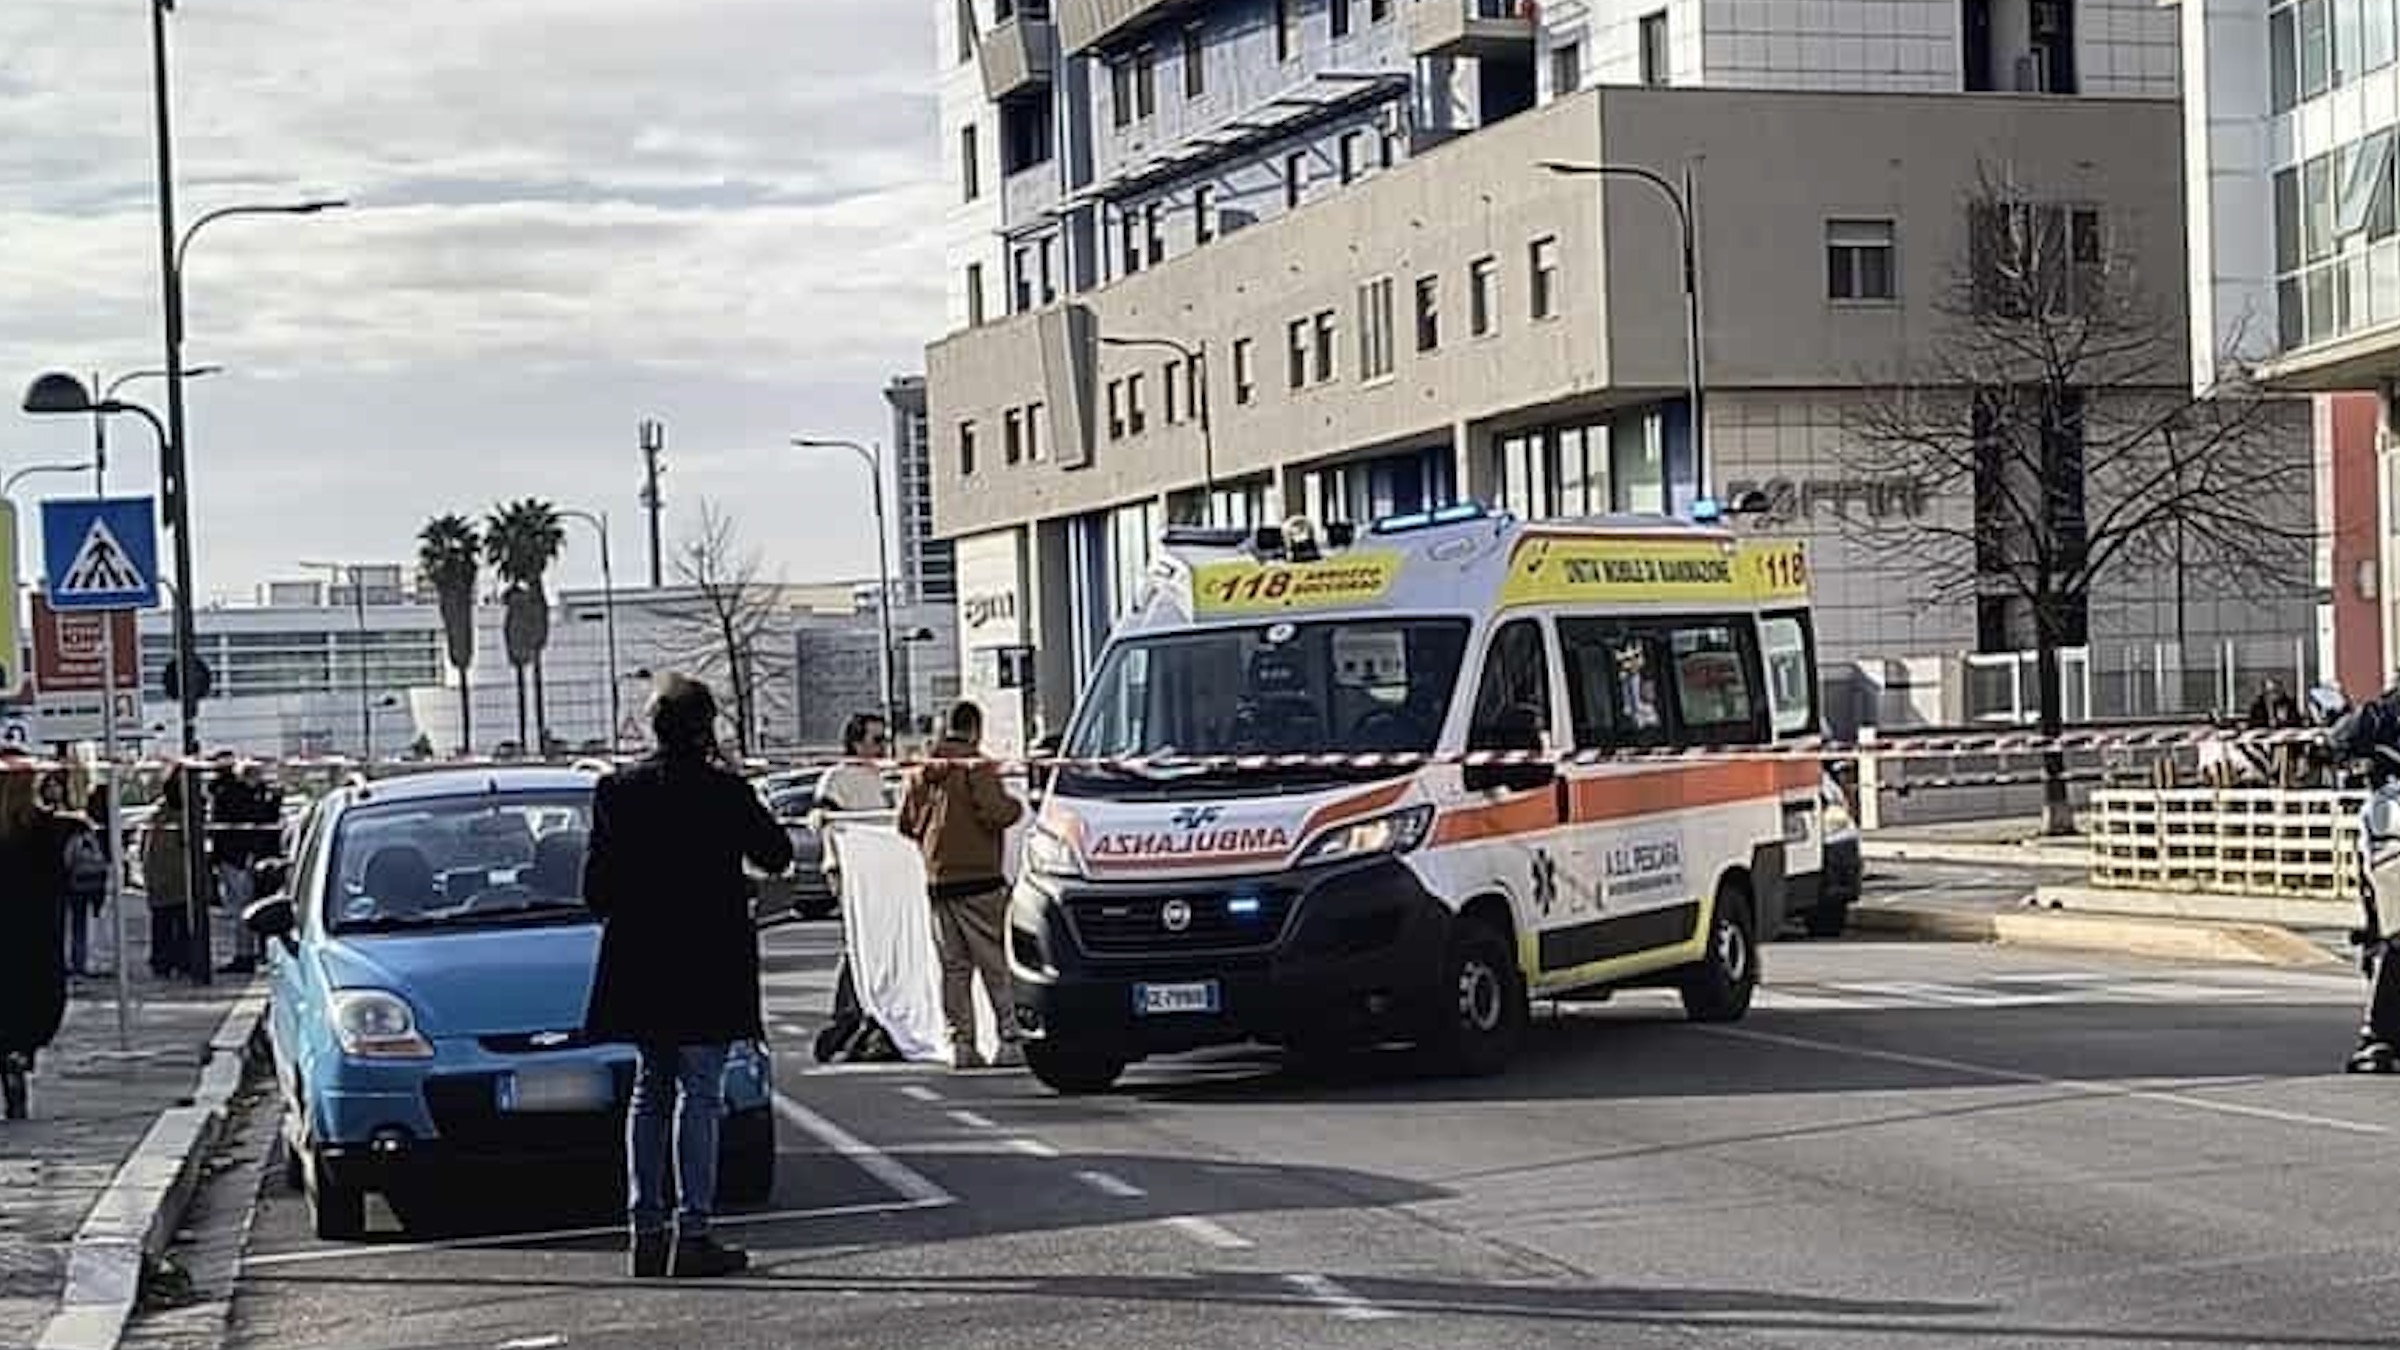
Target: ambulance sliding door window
(1512, 705)
(1614, 677)
(1791, 674)
(1714, 695)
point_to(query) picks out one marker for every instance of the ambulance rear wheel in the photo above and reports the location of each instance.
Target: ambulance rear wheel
(1484, 1011)
(1719, 987)
(1073, 1073)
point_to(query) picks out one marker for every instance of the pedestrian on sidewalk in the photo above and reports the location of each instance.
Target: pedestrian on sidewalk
(678, 969)
(33, 883)
(856, 784)
(245, 812)
(167, 880)
(959, 812)
(86, 889)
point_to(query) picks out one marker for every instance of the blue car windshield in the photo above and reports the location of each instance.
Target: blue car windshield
(463, 862)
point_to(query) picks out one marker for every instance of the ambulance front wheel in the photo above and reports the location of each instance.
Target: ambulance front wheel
(1484, 1003)
(1073, 1073)
(1719, 987)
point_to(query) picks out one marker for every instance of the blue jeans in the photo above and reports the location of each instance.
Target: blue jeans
(679, 1088)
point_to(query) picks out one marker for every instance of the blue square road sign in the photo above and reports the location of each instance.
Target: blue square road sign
(100, 553)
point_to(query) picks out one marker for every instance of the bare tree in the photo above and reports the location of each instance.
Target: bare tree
(736, 637)
(2054, 395)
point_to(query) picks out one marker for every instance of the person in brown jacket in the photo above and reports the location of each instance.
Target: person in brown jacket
(958, 811)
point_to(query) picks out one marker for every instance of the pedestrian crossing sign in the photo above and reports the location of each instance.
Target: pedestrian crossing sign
(100, 553)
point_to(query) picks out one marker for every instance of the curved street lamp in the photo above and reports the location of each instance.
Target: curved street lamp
(608, 593)
(883, 564)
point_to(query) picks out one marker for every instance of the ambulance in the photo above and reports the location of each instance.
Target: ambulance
(1351, 786)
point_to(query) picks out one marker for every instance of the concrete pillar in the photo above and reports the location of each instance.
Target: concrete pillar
(1472, 467)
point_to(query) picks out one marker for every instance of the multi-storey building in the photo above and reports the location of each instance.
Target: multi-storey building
(1268, 257)
(2292, 110)
(928, 565)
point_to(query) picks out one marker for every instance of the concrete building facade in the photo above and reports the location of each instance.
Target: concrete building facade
(1337, 241)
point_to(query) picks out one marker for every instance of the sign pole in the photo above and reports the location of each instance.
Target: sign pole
(113, 824)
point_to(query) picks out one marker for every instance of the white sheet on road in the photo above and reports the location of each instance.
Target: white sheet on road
(887, 927)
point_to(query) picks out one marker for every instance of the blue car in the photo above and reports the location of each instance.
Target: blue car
(429, 957)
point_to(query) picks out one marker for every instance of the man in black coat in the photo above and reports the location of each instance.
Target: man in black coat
(33, 878)
(678, 968)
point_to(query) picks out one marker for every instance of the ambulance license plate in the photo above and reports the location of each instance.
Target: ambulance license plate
(1157, 1000)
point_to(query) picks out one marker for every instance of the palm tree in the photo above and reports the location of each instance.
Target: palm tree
(521, 540)
(449, 557)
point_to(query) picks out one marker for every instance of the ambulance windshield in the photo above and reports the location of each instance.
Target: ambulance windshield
(1353, 686)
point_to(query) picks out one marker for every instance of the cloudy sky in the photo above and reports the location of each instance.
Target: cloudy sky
(571, 214)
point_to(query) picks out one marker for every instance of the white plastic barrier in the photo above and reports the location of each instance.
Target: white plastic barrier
(2299, 843)
(887, 928)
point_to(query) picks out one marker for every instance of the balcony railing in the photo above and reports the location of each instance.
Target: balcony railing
(1083, 24)
(1479, 29)
(1018, 56)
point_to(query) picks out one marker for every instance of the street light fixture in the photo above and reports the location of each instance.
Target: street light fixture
(1683, 199)
(883, 564)
(608, 592)
(1196, 364)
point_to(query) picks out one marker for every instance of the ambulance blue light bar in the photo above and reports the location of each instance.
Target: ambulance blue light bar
(1426, 520)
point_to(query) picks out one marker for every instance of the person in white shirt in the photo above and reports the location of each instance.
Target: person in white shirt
(856, 784)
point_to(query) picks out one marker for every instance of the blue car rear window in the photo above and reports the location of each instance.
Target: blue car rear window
(463, 862)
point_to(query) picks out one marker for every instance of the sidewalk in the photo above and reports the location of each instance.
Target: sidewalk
(2010, 841)
(94, 1108)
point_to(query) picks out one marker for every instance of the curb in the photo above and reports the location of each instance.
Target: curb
(135, 1219)
(1973, 854)
(2160, 939)
(2208, 905)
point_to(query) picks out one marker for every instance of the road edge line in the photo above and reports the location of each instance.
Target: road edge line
(905, 1181)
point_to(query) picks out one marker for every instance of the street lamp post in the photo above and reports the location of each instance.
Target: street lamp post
(883, 564)
(358, 600)
(1196, 365)
(608, 592)
(1684, 200)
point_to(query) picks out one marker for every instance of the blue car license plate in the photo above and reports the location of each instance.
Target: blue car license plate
(1166, 1000)
(555, 1090)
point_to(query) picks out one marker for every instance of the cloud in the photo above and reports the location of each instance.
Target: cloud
(728, 205)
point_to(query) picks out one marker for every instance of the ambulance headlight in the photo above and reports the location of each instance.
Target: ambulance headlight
(1398, 832)
(1048, 854)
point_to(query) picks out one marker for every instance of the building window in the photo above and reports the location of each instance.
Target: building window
(1566, 69)
(1136, 419)
(2316, 47)
(1395, 148)
(1378, 10)
(1657, 62)
(1429, 314)
(1337, 17)
(1170, 385)
(2337, 262)
(1131, 227)
(1483, 296)
(1116, 410)
(1296, 353)
(974, 295)
(1152, 234)
(1375, 344)
(970, 166)
(1204, 213)
(1354, 155)
(1195, 63)
(1542, 258)
(1145, 83)
(1295, 178)
(1195, 386)
(1034, 450)
(1049, 253)
(1287, 29)
(1245, 372)
(966, 31)
(966, 449)
(2026, 257)
(1012, 437)
(1020, 266)
(1327, 332)
(1120, 92)
(1859, 261)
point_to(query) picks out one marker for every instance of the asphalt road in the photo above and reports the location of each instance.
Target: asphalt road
(1905, 1145)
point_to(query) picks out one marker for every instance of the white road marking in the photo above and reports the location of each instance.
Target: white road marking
(906, 1181)
(1112, 1186)
(532, 1343)
(1338, 1300)
(918, 1092)
(2084, 1087)
(1210, 1233)
(973, 1121)
(1789, 1002)
(381, 1250)
(891, 1070)
(1031, 1148)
